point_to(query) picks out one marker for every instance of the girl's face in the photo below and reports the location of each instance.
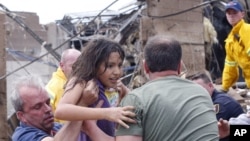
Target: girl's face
(113, 72)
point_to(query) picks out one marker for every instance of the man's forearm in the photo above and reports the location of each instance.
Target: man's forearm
(96, 134)
(69, 132)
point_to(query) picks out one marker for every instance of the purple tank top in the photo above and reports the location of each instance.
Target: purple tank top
(105, 125)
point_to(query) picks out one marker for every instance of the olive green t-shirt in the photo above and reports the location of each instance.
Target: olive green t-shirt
(171, 109)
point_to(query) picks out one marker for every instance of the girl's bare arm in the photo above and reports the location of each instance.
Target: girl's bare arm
(80, 94)
(67, 110)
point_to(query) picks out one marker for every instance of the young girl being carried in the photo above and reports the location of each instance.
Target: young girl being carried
(101, 63)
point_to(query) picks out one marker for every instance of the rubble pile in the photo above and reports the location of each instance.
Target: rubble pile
(121, 26)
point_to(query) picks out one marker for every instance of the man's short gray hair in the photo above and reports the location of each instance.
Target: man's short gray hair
(30, 81)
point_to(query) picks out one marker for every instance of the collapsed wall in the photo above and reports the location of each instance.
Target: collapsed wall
(186, 27)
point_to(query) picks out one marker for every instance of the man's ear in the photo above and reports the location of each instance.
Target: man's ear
(145, 67)
(243, 14)
(211, 85)
(61, 64)
(20, 116)
(179, 68)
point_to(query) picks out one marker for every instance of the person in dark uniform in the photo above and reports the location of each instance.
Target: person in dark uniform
(224, 105)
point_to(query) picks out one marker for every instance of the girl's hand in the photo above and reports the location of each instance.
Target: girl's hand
(120, 115)
(90, 93)
(122, 90)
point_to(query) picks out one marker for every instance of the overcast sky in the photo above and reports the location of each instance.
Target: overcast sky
(51, 10)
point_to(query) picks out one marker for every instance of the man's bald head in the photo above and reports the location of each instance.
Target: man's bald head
(69, 56)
